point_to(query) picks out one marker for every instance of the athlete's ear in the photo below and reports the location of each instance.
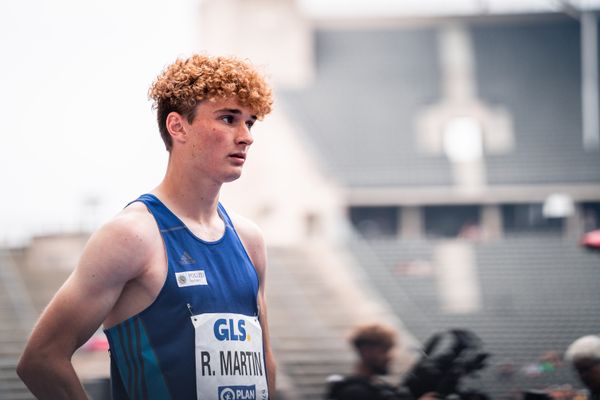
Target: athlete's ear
(176, 124)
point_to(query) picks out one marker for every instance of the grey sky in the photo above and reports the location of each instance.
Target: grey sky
(75, 118)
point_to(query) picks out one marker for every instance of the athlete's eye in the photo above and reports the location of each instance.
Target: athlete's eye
(227, 119)
(250, 124)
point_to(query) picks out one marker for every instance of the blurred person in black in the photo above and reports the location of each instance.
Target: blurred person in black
(374, 345)
(447, 358)
(584, 355)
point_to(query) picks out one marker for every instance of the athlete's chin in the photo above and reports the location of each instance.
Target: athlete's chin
(232, 176)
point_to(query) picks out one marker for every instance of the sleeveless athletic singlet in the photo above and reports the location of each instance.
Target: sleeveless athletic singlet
(200, 338)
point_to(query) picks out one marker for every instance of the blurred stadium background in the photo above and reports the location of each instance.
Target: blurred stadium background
(432, 170)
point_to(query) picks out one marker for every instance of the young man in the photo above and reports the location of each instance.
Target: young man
(178, 285)
(584, 355)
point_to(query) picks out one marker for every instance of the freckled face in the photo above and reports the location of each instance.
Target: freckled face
(219, 138)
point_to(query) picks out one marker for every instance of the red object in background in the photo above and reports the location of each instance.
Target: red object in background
(591, 240)
(96, 343)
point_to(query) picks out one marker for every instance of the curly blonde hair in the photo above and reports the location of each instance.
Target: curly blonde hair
(186, 83)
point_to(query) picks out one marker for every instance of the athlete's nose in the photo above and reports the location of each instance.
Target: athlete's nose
(244, 135)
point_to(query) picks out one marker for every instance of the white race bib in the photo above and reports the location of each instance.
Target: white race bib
(229, 357)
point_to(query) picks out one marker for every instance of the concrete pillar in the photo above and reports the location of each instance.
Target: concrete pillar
(574, 224)
(271, 33)
(456, 277)
(412, 225)
(491, 221)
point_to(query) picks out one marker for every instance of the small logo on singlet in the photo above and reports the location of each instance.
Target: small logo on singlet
(191, 278)
(186, 259)
(237, 392)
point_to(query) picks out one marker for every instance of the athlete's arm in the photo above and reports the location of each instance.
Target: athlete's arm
(115, 254)
(255, 246)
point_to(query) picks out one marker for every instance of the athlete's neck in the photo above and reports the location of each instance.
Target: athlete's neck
(193, 198)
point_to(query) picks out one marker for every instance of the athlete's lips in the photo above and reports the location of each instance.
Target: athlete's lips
(239, 155)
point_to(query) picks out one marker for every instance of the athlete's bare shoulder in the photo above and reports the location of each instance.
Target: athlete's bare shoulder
(125, 245)
(246, 228)
(135, 219)
(252, 238)
(133, 223)
(120, 264)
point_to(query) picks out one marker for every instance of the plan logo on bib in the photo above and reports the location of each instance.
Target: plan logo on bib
(237, 392)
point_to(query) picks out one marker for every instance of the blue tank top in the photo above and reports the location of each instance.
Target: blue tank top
(200, 338)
